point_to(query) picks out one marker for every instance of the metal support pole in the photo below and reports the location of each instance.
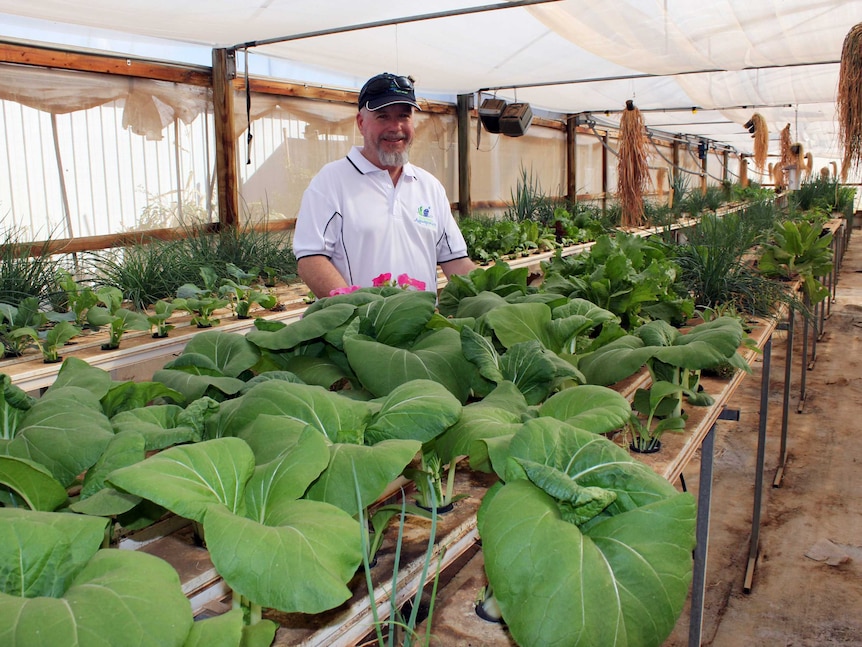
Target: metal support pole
(805, 325)
(785, 407)
(704, 497)
(816, 327)
(758, 475)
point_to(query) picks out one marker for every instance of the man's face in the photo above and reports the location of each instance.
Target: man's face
(388, 134)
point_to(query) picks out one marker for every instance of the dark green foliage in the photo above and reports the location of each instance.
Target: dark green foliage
(144, 273)
(489, 239)
(148, 272)
(713, 267)
(25, 270)
(822, 193)
(529, 201)
(626, 274)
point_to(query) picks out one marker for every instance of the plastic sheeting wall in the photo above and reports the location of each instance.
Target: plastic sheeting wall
(139, 155)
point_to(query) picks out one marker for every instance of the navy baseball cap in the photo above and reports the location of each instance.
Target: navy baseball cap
(385, 90)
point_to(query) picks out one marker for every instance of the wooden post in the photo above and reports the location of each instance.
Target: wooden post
(604, 172)
(464, 105)
(572, 158)
(224, 69)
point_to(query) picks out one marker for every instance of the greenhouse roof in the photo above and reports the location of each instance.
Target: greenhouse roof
(693, 68)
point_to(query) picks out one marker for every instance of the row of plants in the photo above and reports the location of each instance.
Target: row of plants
(28, 326)
(260, 439)
(279, 441)
(146, 272)
(150, 276)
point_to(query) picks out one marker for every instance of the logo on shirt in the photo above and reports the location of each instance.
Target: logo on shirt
(423, 217)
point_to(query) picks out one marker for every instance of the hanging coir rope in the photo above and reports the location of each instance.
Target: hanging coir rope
(849, 100)
(761, 140)
(633, 170)
(787, 158)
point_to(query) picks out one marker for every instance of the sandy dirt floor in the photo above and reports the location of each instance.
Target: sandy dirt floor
(806, 589)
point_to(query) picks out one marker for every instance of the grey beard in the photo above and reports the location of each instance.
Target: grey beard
(394, 159)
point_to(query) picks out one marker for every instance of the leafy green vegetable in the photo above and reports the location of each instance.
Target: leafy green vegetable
(604, 559)
(626, 274)
(269, 546)
(57, 587)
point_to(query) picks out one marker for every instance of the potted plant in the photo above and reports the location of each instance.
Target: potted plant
(428, 480)
(112, 314)
(242, 294)
(201, 302)
(159, 320)
(799, 249)
(657, 402)
(25, 315)
(49, 340)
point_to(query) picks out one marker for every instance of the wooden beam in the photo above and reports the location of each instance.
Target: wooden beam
(223, 70)
(129, 238)
(464, 105)
(17, 53)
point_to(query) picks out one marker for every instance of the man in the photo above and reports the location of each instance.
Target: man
(373, 212)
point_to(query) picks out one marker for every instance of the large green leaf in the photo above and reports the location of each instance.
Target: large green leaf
(77, 372)
(480, 350)
(33, 483)
(399, 319)
(127, 396)
(586, 309)
(417, 410)
(299, 562)
(97, 498)
(532, 368)
(372, 467)
(232, 353)
(476, 306)
(42, 552)
(622, 583)
(594, 408)
(704, 346)
(436, 356)
(313, 325)
(119, 598)
(615, 361)
(289, 460)
(65, 430)
(520, 322)
(193, 384)
(160, 425)
(478, 422)
(322, 371)
(332, 414)
(590, 459)
(189, 478)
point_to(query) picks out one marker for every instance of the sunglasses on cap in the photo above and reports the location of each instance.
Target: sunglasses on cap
(386, 82)
(387, 89)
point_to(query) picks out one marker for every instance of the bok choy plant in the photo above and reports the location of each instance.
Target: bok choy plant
(59, 588)
(582, 544)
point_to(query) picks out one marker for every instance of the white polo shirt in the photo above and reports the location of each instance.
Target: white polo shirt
(352, 214)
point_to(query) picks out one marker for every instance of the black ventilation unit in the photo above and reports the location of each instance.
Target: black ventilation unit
(516, 118)
(490, 112)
